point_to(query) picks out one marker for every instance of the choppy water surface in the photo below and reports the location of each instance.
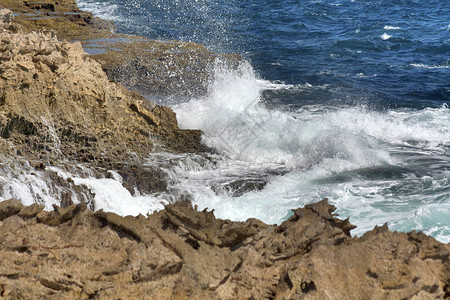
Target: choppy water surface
(340, 99)
(382, 53)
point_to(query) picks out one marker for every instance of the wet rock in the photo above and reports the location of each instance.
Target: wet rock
(159, 69)
(237, 188)
(143, 179)
(78, 114)
(9, 208)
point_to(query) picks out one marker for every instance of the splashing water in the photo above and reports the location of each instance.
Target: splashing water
(375, 166)
(320, 135)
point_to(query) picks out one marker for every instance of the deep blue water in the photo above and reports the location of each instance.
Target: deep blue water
(380, 54)
(340, 99)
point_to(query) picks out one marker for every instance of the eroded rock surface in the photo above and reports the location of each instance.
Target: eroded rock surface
(180, 253)
(156, 69)
(52, 93)
(57, 104)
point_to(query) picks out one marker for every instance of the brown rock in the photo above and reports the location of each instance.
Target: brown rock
(182, 253)
(9, 208)
(58, 104)
(155, 69)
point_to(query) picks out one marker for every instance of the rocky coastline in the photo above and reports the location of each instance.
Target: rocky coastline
(61, 106)
(153, 68)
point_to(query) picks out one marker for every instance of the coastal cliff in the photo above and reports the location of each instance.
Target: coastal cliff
(58, 106)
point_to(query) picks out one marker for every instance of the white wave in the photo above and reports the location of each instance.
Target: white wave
(430, 67)
(102, 9)
(19, 180)
(239, 126)
(303, 156)
(313, 145)
(23, 182)
(236, 124)
(385, 36)
(112, 196)
(387, 27)
(269, 85)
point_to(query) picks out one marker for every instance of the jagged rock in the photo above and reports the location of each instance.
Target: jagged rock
(205, 227)
(136, 177)
(74, 102)
(185, 254)
(239, 187)
(58, 104)
(156, 69)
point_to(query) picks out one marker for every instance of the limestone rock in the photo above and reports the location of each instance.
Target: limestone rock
(185, 254)
(54, 95)
(156, 69)
(57, 104)
(6, 16)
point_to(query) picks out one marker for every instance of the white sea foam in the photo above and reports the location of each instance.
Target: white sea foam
(104, 10)
(21, 181)
(112, 196)
(367, 163)
(321, 152)
(387, 27)
(385, 36)
(239, 126)
(446, 66)
(269, 85)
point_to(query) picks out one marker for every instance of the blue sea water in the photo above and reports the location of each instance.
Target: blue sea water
(345, 99)
(383, 53)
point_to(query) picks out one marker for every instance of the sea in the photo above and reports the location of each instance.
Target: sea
(340, 99)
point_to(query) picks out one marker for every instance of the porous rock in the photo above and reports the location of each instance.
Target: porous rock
(57, 104)
(182, 253)
(156, 69)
